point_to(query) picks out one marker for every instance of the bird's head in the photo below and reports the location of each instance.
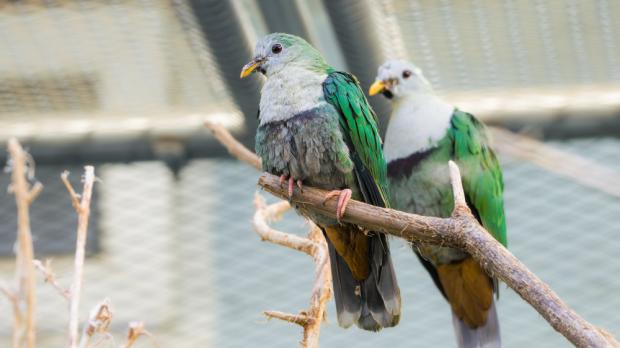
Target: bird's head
(276, 51)
(398, 78)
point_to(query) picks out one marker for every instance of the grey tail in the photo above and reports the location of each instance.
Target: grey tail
(486, 336)
(372, 303)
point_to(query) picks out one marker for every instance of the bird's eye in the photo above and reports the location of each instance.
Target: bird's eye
(277, 48)
(406, 74)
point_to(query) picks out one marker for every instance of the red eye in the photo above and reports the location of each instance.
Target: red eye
(277, 48)
(406, 74)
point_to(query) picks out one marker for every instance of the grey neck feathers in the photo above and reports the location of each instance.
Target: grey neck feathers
(291, 91)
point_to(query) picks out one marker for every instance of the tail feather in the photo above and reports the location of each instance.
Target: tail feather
(372, 303)
(485, 336)
(469, 290)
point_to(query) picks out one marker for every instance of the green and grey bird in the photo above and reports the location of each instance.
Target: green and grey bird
(317, 128)
(423, 134)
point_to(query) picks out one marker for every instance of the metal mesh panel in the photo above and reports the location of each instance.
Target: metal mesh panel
(180, 254)
(87, 68)
(494, 44)
(178, 251)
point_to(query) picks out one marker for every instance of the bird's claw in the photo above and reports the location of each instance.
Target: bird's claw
(291, 185)
(343, 199)
(300, 185)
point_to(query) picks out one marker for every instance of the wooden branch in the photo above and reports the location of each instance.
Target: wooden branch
(235, 148)
(575, 167)
(75, 198)
(315, 246)
(460, 231)
(50, 277)
(12, 297)
(82, 207)
(24, 324)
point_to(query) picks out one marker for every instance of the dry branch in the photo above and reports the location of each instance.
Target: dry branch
(82, 207)
(315, 246)
(24, 320)
(50, 277)
(459, 231)
(137, 329)
(235, 148)
(575, 167)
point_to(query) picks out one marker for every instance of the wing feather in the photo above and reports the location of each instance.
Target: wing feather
(482, 180)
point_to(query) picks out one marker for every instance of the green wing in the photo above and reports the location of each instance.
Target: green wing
(359, 125)
(482, 175)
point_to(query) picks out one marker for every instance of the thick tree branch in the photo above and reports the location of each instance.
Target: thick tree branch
(460, 231)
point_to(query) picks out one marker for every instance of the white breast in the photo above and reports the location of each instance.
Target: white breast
(290, 92)
(417, 123)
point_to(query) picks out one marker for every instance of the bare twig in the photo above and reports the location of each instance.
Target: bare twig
(50, 277)
(315, 246)
(235, 148)
(99, 321)
(83, 210)
(75, 198)
(460, 231)
(299, 319)
(24, 323)
(575, 167)
(136, 329)
(34, 192)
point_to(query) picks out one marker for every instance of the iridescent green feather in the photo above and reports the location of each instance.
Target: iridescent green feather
(359, 124)
(482, 175)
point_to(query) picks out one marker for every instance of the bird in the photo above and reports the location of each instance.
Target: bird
(317, 128)
(423, 134)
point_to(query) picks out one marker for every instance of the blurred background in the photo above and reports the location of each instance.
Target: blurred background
(127, 84)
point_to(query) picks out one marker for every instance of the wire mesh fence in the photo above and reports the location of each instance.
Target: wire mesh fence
(176, 249)
(180, 253)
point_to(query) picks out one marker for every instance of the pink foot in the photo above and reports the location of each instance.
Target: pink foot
(291, 184)
(282, 180)
(343, 199)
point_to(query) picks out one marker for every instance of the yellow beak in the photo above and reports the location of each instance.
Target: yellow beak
(250, 67)
(377, 87)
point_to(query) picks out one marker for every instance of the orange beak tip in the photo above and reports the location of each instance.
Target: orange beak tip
(376, 88)
(249, 68)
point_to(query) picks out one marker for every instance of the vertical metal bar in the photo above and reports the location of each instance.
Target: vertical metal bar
(230, 47)
(283, 16)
